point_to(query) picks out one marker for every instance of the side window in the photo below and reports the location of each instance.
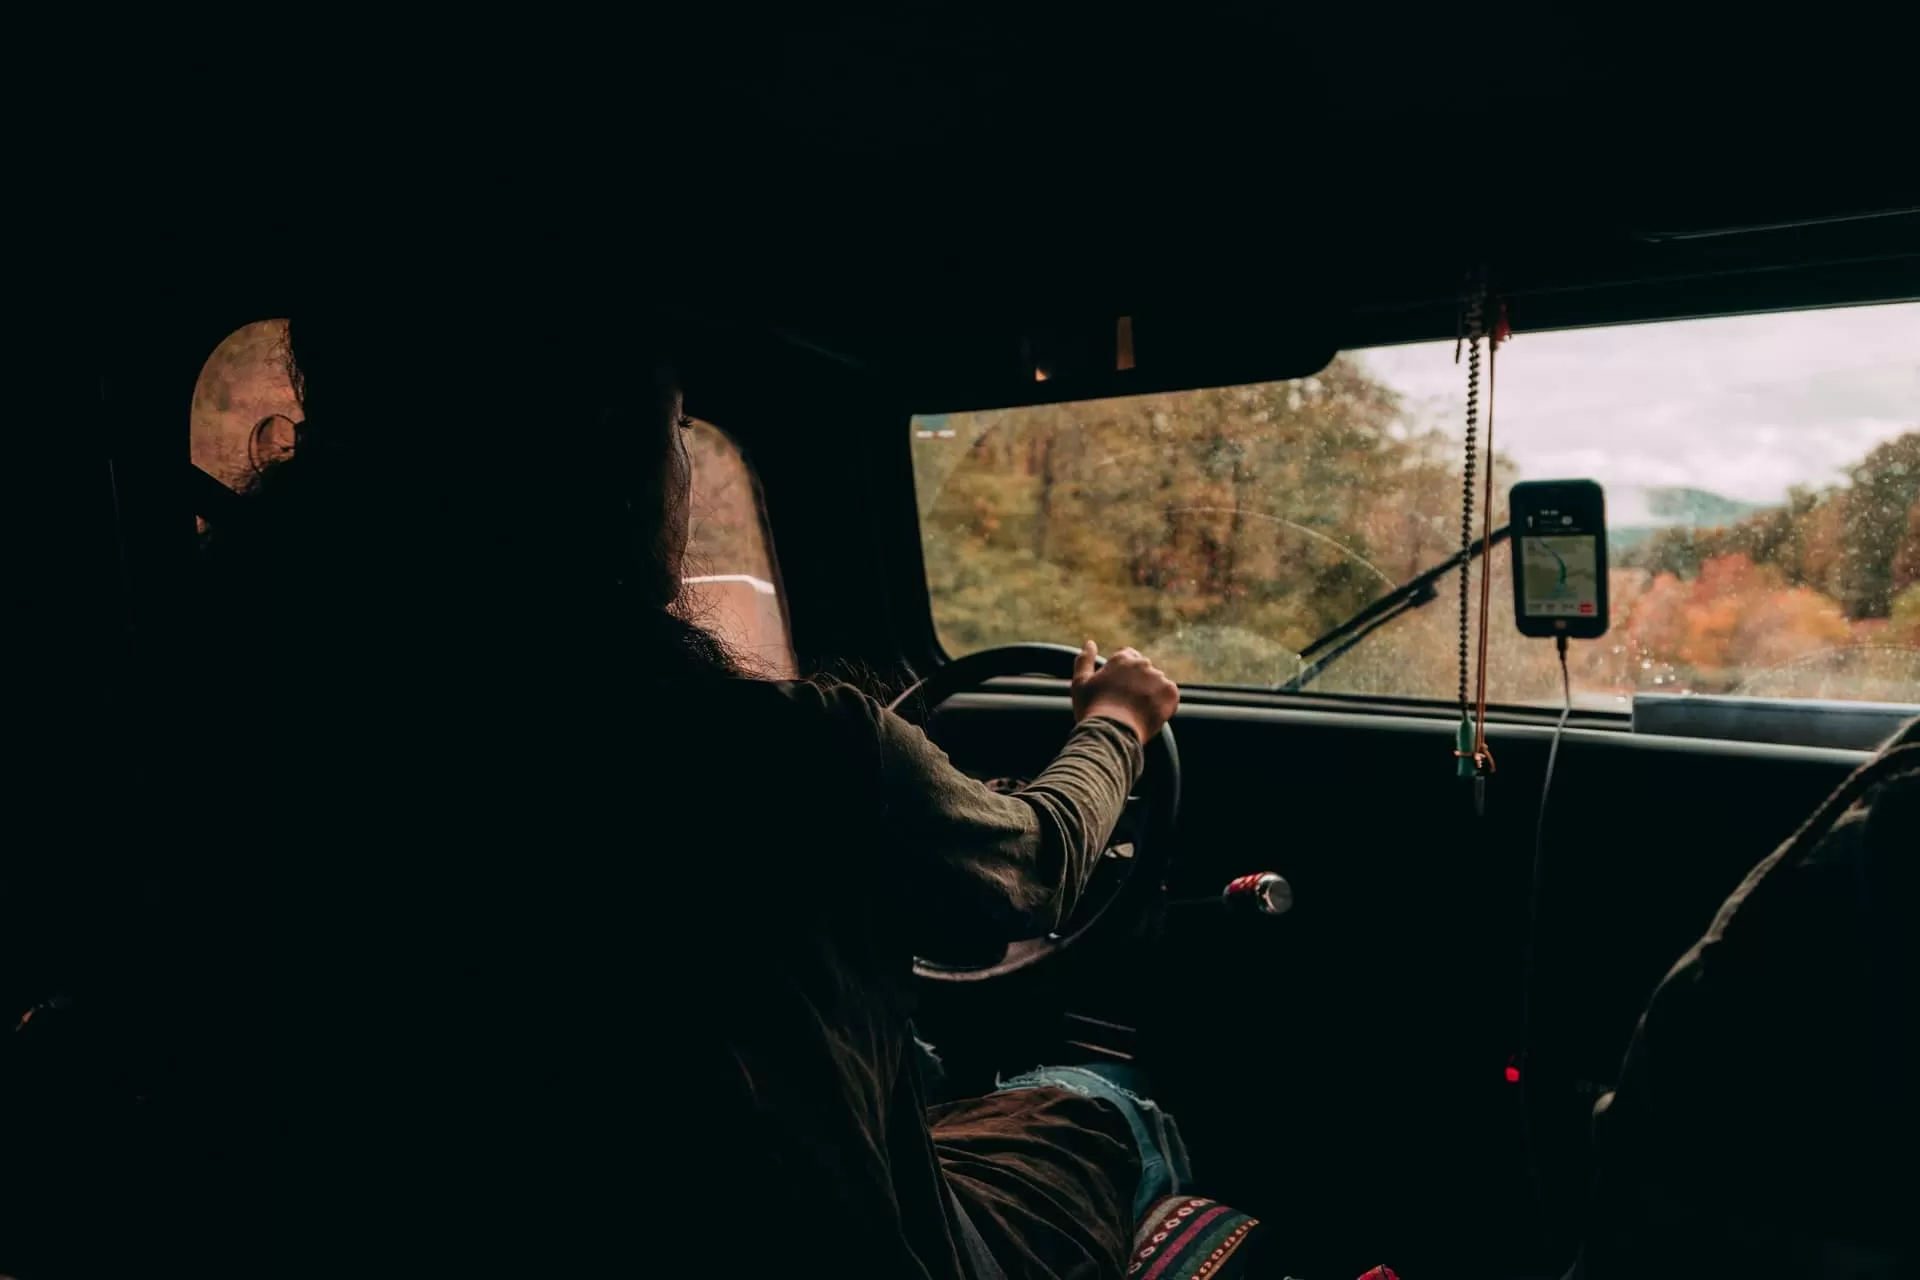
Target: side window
(731, 582)
(243, 418)
(243, 404)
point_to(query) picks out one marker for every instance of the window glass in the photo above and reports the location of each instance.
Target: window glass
(243, 415)
(243, 404)
(731, 582)
(1762, 476)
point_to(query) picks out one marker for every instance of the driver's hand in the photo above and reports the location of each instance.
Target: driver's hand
(1129, 689)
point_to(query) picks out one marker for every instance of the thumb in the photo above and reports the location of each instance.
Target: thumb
(1083, 665)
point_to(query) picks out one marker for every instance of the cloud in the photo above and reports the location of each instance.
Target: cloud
(1744, 406)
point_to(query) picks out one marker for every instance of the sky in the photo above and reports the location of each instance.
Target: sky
(1743, 406)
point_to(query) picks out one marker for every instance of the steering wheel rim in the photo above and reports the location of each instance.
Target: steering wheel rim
(1158, 789)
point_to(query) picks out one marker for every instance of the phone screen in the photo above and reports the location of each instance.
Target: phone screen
(1562, 575)
(1559, 531)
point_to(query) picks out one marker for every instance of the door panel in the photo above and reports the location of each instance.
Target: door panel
(1341, 1070)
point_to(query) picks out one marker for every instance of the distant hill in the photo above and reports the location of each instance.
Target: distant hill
(1635, 512)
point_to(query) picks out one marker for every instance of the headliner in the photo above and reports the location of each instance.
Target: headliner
(912, 191)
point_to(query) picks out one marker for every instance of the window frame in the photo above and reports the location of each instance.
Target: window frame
(842, 519)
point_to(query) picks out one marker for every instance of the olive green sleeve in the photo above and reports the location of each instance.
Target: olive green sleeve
(984, 866)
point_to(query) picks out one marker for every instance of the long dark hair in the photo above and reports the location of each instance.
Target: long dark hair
(551, 471)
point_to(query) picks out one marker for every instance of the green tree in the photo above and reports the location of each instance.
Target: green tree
(1877, 523)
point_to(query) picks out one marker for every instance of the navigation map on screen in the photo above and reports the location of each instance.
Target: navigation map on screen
(1562, 577)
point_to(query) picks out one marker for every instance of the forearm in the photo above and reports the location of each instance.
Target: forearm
(980, 864)
(1076, 801)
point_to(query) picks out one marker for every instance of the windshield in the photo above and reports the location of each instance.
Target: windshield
(1762, 476)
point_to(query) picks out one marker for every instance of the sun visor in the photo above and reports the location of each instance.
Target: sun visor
(1098, 356)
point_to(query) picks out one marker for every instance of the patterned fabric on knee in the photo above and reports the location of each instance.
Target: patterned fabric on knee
(1189, 1238)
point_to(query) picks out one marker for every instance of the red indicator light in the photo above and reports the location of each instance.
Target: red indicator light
(1513, 1070)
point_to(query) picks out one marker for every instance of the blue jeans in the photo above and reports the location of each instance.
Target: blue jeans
(1164, 1166)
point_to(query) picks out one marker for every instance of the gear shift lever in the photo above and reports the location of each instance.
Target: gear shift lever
(1264, 892)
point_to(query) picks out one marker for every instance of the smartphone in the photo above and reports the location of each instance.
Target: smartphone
(1559, 543)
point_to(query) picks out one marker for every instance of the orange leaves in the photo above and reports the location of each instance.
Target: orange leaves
(1734, 619)
(1783, 626)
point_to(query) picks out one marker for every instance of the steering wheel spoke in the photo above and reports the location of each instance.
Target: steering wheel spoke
(1132, 822)
(1134, 861)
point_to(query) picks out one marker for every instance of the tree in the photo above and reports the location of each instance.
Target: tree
(1875, 521)
(1228, 521)
(1858, 543)
(1903, 620)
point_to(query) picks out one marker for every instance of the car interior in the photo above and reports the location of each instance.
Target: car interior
(939, 270)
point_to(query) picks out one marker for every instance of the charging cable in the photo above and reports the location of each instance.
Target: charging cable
(1527, 975)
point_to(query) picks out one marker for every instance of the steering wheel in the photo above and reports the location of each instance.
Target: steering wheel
(1147, 823)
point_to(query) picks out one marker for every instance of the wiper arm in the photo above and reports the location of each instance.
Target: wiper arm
(1415, 593)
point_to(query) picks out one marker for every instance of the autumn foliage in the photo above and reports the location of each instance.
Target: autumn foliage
(1225, 529)
(1817, 597)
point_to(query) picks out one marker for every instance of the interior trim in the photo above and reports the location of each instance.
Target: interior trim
(1372, 704)
(1437, 727)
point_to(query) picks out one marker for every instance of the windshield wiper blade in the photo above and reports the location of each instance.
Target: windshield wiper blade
(1415, 593)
